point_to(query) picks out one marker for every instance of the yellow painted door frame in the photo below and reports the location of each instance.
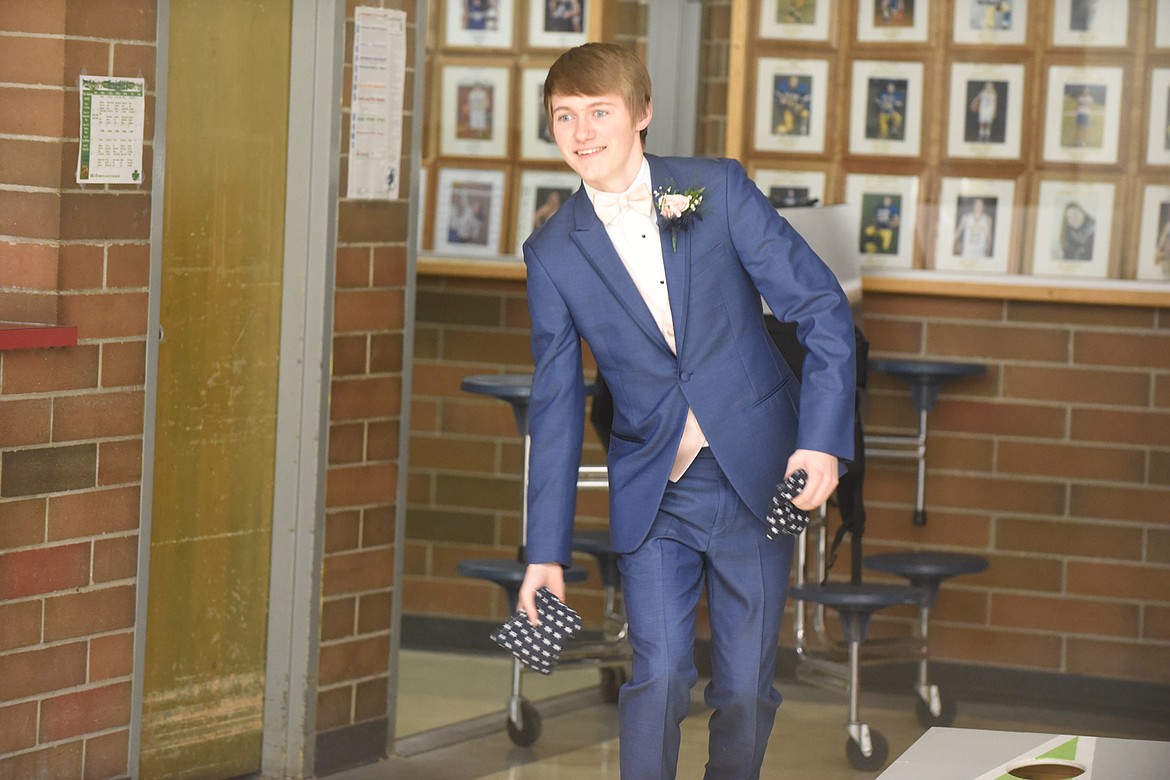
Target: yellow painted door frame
(215, 424)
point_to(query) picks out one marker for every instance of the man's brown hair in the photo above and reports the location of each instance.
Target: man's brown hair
(599, 69)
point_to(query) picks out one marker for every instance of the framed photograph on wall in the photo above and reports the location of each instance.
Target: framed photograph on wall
(1074, 225)
(1089, 23)
(479, 23)
(474, 115)
(975, 225)
(888, 208)
(1158, 143)
(557, 24)
(785, 189)
(986, 109)
(541, 194)
(797, 20)
(885, 116)
(790, 105)
(536, 140)
(1082, 116)
(469, 205)
(1162, 24)
(991, 21)
(1154, 237)
(892, 20)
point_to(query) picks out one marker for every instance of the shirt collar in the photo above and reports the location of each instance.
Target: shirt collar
(643, 177)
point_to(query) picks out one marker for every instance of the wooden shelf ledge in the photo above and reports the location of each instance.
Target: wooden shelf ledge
(1007, 287)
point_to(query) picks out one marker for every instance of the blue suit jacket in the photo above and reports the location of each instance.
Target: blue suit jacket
(727, 368)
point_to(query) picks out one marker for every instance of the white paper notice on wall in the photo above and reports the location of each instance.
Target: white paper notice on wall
(375, 126)
(112, 110)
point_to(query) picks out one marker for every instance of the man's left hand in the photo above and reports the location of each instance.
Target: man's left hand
(822, 477)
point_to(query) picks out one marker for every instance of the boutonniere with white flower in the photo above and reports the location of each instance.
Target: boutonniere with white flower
(679, 209)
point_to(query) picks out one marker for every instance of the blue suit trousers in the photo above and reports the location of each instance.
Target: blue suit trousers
(703, 535)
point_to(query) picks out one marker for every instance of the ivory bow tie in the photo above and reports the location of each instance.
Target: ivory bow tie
(609, 206)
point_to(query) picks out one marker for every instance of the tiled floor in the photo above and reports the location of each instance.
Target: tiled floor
(578, 738)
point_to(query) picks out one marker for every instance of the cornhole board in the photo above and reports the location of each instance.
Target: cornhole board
(980, 754)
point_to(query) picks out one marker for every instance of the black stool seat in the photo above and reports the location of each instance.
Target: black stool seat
(508, 574)
(596, 543)
(856, 602)
(926, 569)
(516, 389)
(925, 377)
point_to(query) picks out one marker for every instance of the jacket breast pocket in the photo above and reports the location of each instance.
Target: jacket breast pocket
(705, 259)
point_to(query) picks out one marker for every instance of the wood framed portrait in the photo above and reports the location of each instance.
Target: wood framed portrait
(1158, 142)
(791, 97)
(558, 24)
(887, 213)
(789, 188)
(541, 194)
(1162, 24)
(536, 138)
(479, 23)
(1082, 116)
(893, 20)
(795, 20)
(469, 207)
(1090, 23)
(885, 116)
(986, 107)
(975, 225)
(1073, 229)
(1153, 255)
(474, 115)
(991, 21)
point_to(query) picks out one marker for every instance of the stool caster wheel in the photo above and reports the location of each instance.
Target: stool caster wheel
(879, 751)
(927, 717)
(528, 731)
(612, 679)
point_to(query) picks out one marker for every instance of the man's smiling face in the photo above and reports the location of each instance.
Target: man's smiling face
(599, 139)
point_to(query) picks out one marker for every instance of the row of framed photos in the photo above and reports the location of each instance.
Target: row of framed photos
(978, 220)
(1074, 23)
(490, 24)
(979, 223)
(470, 207)
(475, 109)
(1082, 110)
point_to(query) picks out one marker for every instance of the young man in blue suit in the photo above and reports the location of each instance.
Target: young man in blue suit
(659, 265)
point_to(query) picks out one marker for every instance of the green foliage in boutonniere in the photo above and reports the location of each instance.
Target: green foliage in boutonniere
(679, 209)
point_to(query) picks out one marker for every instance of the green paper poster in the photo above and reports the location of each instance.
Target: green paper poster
(112, 110)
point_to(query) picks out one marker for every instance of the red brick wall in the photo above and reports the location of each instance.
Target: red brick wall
(365, 413)
(71, 419)
(1055, 465)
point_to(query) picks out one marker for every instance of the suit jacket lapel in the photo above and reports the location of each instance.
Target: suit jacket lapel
(591, 238)
(677, 262)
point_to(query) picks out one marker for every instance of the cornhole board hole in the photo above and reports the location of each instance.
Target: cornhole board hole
(979, 754)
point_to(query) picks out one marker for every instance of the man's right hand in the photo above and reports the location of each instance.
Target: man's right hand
(537, 576)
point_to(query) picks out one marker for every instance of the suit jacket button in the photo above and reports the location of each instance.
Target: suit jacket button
(685, 376)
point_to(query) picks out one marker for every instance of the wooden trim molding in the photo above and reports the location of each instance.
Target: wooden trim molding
(1014, 288)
